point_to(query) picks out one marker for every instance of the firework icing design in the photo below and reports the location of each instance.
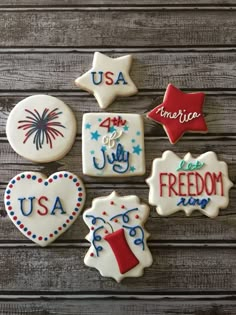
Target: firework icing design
(40, 207)
(41, 127)
(113, 144)
(189, 184)
(117, 236)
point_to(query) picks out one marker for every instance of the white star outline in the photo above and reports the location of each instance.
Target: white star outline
(106, 94)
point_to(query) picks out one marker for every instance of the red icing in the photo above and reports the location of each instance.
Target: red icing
(191, 184)
(172, 181)
(109, 80)
(124, 256)
(115, 121)
(40, 212)
(175, 101)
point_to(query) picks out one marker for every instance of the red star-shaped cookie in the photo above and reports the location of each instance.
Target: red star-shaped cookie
(179, 113)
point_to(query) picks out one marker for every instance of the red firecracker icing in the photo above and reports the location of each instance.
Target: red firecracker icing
(125, 257)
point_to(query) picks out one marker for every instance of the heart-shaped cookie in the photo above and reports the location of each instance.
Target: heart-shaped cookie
(43, 208)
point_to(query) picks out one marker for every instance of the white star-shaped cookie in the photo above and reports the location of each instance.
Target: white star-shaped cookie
(108, 78)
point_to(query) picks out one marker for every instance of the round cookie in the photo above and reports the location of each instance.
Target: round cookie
(40, 207)
(117, 236)
(41, 128)
(189, 184)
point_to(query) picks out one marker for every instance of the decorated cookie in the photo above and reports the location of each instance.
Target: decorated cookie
(108, 78)
(113, 144)
(41, 128)
(189, 184)
(180, 112)
(44, 208)
(117, 236)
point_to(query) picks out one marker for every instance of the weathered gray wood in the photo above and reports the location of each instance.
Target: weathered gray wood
(92, 25)
(216, 107)
(150, 70)
(217, 306)
(177, 227)
(62, 269)
(154, 28)
(13, 163)
(64, 3)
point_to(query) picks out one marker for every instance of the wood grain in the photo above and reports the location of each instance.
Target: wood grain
(13, 163)
(44, 46)
(215, 107)
(100, 3)
(178, 306)
(150, 70)
(154, 28)
(177, 227)
(62, 268)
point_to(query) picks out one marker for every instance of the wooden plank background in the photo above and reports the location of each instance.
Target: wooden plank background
(44, 46)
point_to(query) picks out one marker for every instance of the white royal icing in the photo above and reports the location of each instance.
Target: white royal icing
(117, 221)
(108, 78)
(189, 184)
(113, 144)
(43, 208)
(41, 128)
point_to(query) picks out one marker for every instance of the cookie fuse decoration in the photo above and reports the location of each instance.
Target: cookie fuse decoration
(41, 128)
(179, 113)
(40, 207)
(117, 236)
(113, 144)
(108, 78)
(189, 184)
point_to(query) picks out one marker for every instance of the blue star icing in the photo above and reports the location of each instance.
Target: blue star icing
(125, 128)
(112, 129)
(92, 151)
(95, 135)
(99, 119)
(104, 148)
(133, 140)
(132, 169)
(88, 126)
(137, 149)
(138, 133)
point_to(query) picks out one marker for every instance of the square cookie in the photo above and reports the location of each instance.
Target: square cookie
(113, 144)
